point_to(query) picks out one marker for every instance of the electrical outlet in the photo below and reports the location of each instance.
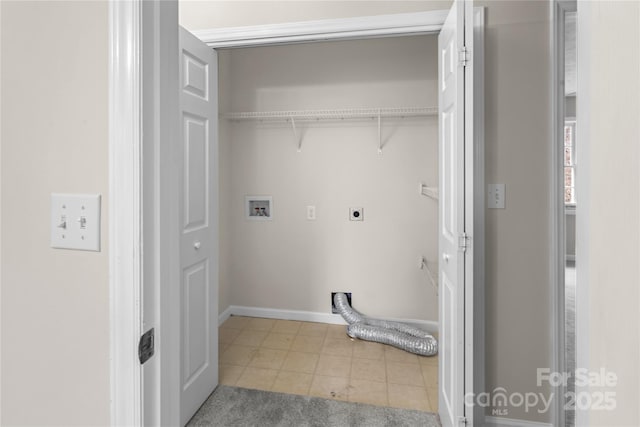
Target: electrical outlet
(311, 213)
(356, 214)
(333, 306)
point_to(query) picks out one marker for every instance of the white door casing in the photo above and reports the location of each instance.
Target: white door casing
(451, 218)
(474, 357)
(198, 223)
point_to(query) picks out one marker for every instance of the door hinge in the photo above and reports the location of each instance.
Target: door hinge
(146, 346)
(464, 56)
(463, 242)
(462, 421)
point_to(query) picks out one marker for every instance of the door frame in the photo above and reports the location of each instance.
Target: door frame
(141, 217)
(557, 251)
(125, 140)
(143, 220)
(475, 217)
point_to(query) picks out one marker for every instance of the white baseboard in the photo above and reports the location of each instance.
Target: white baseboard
(510, 422)
(272, 313)
(308, 316)
(222, 317)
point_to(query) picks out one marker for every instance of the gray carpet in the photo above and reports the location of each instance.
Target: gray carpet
(234, 406)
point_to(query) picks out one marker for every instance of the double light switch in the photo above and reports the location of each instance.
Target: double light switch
(75, 221)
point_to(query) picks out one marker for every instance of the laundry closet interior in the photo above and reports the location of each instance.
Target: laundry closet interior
(310, 133)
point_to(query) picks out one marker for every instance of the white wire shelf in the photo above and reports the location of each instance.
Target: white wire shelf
(335, 114)
(294, 117)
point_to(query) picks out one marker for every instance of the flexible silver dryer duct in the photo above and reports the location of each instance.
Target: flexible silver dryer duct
(400, 335)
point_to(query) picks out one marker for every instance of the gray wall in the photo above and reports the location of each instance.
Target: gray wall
(290, 262)
(203, 14)
(609, 208)
(570, 107)
(55, 303)
(570, 235)
(517, 238)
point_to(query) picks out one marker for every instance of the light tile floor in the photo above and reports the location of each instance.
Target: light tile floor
(318, 359)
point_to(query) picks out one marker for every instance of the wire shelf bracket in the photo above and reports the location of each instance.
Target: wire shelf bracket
(296, 138)
(431, 192)
(433, 277)
(379, 132)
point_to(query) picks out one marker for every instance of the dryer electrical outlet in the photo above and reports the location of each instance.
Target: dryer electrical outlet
(356, 214)
(75, 221)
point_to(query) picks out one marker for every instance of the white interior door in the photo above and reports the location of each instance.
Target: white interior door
(198, 223)
(452, 240)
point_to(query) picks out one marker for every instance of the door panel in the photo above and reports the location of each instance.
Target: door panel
(196, 339)
(198, 219)
(196, 189)
(195, 79)
(452, 226)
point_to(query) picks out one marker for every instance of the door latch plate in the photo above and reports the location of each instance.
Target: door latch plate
(146, 347)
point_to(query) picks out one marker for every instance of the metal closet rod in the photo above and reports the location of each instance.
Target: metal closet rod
(335, 114)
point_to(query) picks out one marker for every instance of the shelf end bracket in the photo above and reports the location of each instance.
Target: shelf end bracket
(379, 132)
(295, 134)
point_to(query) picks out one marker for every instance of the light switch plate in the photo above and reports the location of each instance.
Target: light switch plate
(496, 196)
(75, 221)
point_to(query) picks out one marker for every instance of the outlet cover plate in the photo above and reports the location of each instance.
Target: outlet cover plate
(356, 214)
(311, 213)
(495, 196)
